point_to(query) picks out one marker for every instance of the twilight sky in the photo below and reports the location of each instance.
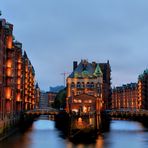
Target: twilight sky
(56, 32)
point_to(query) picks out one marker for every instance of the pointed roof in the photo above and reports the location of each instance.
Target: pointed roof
(25, 54)
(86, 69)
(37, 85)
(98, 71)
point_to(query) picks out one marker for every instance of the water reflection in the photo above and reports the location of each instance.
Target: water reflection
(126, 134)
(43, 134)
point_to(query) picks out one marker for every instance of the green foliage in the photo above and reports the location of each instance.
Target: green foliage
(60, 100)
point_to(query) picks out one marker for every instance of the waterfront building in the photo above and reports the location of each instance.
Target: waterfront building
(29, 83)
(125, 97)
(85, 87)
(17, 78)
(143, 90)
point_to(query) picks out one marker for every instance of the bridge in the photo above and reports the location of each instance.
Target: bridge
(128, 113)
(43, 111)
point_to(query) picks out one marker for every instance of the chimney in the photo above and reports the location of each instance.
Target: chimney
(94, 64)
(75, 64)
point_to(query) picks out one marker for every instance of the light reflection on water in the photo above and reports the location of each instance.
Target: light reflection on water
(43, 134)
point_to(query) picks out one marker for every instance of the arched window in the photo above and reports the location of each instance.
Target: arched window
(92, 85)
(88, 85)
(83, 85)
(78, 85)
(72, 85)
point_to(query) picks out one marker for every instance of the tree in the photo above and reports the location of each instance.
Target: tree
(60, 100)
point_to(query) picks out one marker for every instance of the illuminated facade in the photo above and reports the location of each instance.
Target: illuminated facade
(84, 88)
(29, 83)
(125, 97)
(143, 90)
(17, 78)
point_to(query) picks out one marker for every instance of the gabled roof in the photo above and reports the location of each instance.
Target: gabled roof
(98, 71)
(86, 69)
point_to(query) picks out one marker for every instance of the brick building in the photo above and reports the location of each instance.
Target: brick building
(17, 77)
(125, 97)
(86, 87)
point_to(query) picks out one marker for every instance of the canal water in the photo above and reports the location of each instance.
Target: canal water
(43, 134)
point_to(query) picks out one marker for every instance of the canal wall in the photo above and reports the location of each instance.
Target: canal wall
(9, 126)
(82, 128)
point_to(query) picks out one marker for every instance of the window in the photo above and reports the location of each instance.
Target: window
(72, 85)
(78, 85)
(92, 85)
(88, 85)
(83, 85)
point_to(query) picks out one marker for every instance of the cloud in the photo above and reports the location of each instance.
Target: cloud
(54, 33)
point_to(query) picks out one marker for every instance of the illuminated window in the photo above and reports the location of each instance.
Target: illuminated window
(80, 101)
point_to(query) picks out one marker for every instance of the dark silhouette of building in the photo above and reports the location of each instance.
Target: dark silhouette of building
(106, 70)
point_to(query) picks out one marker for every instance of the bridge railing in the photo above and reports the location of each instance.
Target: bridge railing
(43, 111)
(131, 112)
